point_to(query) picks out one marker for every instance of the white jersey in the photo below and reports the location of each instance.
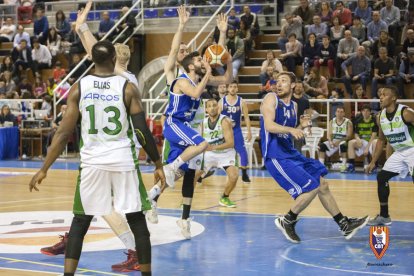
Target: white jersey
(130, 77)
(339, 132)
(215, 135)
(106, 134)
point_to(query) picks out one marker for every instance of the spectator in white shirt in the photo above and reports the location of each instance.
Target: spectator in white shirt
(42, 58)
(21, 34)
(7, 31)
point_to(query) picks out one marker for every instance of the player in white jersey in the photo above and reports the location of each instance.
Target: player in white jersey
(218, 132)
(396, 125)
(115, 220)
(106, 104)
(339, 132)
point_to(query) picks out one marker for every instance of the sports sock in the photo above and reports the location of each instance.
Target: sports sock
(224, 195)
(291, 216)
(177, 163)
(351, 161)
(128, 239)
(338, 218)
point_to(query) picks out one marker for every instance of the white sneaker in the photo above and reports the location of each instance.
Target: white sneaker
(152, 215)
(169, 175)
(185, 226)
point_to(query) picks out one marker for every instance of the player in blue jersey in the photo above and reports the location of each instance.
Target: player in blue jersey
(233, 106)
(301, 177)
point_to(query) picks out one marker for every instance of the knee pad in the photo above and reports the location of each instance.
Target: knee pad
(323, 147)
(188, 183)
(343, 147)
(77, 232)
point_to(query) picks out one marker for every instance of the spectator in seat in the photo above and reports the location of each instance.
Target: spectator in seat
(7, 116)
(39, 88)
(347, 48)
(47, 105)
(326, 13)
(54, 43)
(129, 24)
(344, 14)
(105, 26)
(408, 45)
(7, 65)
(293, 55)
(327, 56)
(383, 41)
(236, 47)
(373, 30)
(251, 20)
(7, 31)
(337, 31)
(51, 86)
(310, 53)
(58, 72)
(363, 11)
(62, 25)
(360, 70)
(384, 67)
(10, 85)
(305, 12)
(405, 73)
(24, 87)
(233, 21)
(270, 61)
(316, 86)
(42, 58)
(409, 22)
(293, 25)
(358, 30)
(318, 28)
(266, 77)
(41, 26)
(358, 95)
(22, 58)
(336, 94)
(245, 34)
(21, 34)
(222, 90)
(391, 15)
(73, 44)
(302, 101)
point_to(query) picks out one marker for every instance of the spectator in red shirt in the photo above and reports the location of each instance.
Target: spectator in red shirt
(344, 14)
(58, 71)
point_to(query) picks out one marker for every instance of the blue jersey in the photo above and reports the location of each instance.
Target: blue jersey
(181, 106)
(280, 146)
(234, 112)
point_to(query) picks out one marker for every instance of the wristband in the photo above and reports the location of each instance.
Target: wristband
(83, 27)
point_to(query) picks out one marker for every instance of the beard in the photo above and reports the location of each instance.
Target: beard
(200, 72)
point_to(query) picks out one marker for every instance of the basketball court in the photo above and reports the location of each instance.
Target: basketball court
(226, 241)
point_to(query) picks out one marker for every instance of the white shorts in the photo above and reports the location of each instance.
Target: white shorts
(401, 162)
(331, 150)
(196, 162)
(97, 190)
(219, 160)
(360, 151)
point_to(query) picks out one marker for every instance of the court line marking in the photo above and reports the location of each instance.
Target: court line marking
(30, 270)
(33, 204)
(35, 199)
(342, 270)
(81, 270)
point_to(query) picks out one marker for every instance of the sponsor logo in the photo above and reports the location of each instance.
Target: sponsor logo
(379, 240)
(292, 191)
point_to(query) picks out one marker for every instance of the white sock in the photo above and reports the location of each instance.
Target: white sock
(155, 191)
(322, 160)
(344, 161)
(177, 163)
(128, 239)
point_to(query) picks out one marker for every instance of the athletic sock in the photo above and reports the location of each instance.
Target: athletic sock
(186, 211)
(177, 163)
(351, 161)
(291, 216)
(339, 218)
(156, 198)
(244, 172)
(224, 195)
(128, 239)
(384, 210)
(322, 160)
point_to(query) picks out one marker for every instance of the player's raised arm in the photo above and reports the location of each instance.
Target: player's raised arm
(170, 64)
(269, 114)
(222, 25)
(61, 137)
(144, 135)
(82, 29)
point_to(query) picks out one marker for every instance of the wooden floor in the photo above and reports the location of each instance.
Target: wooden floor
(262, 196)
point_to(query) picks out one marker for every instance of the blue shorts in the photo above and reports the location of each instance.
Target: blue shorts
(240, 147)
(180, 136)
(296, 175)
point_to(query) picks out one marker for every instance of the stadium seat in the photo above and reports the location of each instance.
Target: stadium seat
(251, 153)
(114, 15)
(256, 8)
(170, 13)
(312, 141)
(73, 16)
(151, 13)
(238, 9)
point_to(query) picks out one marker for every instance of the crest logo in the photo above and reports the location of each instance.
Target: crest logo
(379, 240)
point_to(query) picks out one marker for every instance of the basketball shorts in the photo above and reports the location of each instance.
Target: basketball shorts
(296, 175)
(97, 190)
(240, 147)
(401, 162)
(360, 151)
(332, 150)
(219, 160)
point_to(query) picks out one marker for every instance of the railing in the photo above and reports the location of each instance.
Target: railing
(29, 101)
(7, 10)
(140, 14)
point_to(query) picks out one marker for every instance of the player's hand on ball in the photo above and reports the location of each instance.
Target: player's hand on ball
(183, 15)
(222, 22)
(296, 133)
(206, 65)
(37, 179)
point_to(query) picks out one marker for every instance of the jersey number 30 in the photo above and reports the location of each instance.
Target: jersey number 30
(113, 119)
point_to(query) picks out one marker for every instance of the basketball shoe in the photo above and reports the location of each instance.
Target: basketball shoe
(288, 228)
(226, 202)
(58, 248)
(131, 263)
(350, 226)
(185, 226)
(152, 215)
(380, 220)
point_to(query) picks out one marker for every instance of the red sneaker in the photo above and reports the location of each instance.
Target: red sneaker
(56, 249)
(131, 263)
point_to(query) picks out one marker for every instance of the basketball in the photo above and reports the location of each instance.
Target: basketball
(216, 55)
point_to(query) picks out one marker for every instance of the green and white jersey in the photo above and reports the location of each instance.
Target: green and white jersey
(339, 131)
(106, 133)
(398, 133)
(215, 135)
(198, 118)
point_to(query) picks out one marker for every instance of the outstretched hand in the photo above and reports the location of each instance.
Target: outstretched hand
(183, 15)
(37, 179)
(159, 176)
(82, 15)
(222, 24)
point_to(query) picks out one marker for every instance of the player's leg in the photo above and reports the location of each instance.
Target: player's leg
(232, 176)
(352, 148)
(187, 193)
(240, 148)
(323, 149)
(343, 148)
